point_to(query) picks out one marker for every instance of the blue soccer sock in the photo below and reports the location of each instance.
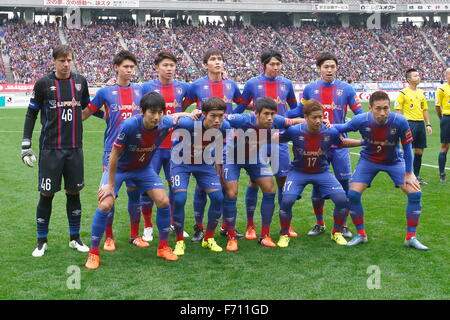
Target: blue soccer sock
(73, 208)
(43, 213)
(318, 204)
(147, 210)
(442, 159)
(98, 228)
(340, 210)
(229, 216)
(179, 202)
(214, 212)
(267, 209)
(199, 204)
(286, 212)
(134, 210)
(357, 211)
(413, 212)
(251, 199)
(280, 195)
(163, 223)
(108, 230)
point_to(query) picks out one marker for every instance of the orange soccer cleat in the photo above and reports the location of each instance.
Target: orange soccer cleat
(167, 253)
(267, 241)
(250, 234)
(292, 233)
(93, 261)
(109, 245)
(232, 245)
(139, 242)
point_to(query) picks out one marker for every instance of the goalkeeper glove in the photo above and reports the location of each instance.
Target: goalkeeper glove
(28, 156)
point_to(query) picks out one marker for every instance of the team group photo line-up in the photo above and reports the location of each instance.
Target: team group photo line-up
(147, 129)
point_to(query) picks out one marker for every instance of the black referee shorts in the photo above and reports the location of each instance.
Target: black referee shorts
(445, 129)
(419, 134)
(55, 164)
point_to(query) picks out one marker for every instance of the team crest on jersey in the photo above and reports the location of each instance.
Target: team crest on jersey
(339, 92)
(393, 131)
(78, 86)
(53, 88)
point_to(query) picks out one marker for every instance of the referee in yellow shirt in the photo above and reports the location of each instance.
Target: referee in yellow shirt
(442, 107)
(411, 102)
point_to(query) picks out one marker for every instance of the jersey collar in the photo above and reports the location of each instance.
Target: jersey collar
(328, 84)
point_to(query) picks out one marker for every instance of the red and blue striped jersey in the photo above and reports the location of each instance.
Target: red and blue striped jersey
(310, 149)
(336, 97)
(381, 142)
(61, 102)
(140, 144)
(203, 89)
(280, 89)
(173, 94)
(120, 104)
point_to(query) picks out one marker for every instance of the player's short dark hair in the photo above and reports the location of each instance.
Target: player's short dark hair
(152, 100)
(213, 104)
(324, 56)
(268, 54)
(265, 102)
(212, 52)
(164, 55)
(311, 106)
(62, 50)
(408, 73)
(122, 56)
(377, 96)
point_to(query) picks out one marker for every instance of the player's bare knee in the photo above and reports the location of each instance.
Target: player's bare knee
(444, 147)
(162, 202)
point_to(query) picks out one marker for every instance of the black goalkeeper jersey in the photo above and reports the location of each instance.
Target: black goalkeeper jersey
(60, 103)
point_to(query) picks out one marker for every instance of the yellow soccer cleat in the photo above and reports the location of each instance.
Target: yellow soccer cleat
(284, 241)
(180, 246)
(338, 238)
(212, 245)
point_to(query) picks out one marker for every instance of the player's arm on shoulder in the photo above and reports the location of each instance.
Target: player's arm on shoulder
(94, 106)
(190, 96)
(353, 102)
(352, 125)
(291, 100)
(245, 99)
(237, 120)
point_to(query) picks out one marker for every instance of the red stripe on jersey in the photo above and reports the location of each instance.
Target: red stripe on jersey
(379, 134)
(93, 107)
(271, 89)
(118, 145)
(312, 144)
(217, 90)
(326, 98)
(168, 93)
(58, 99)
(74, 114)
(409, 137)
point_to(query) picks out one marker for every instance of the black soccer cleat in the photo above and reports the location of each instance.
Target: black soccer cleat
(224, 233)
(198, 234)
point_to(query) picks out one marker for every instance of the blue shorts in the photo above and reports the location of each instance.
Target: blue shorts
(104, 179)
(419, 134)
(445, 129)
(284, 162)
(231, 172)
(205, 174)
(366, 171)
(340, 160)
(325, 183)
(144, 179)
(161, 159)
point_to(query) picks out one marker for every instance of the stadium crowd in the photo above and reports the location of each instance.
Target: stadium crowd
(364, 55)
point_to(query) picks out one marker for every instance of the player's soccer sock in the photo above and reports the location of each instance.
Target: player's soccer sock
(199, 206)
(442, 160)
(280, 195)
(179, 201)
(73, 207)
(98, 227)
(413, 211)
(171, 204)
(339, 212)
(163, 224)
(357, 211)
(417, 163)
(43, 212)
(108, 230)
(147, 209)
(251, 198)
(318, 204)
(134, 211)
(214, 211)
(267, 208)
(346, 186)
(229, 216)
(286, 213)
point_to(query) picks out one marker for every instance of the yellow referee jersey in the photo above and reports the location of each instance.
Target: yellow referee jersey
(443, 99)
(412, 103)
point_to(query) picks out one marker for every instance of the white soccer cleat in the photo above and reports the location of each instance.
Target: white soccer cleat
(40, 250)
(148, 234)
(185, 234)
(79, 246)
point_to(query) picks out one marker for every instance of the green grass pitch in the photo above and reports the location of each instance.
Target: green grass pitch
(310, 268)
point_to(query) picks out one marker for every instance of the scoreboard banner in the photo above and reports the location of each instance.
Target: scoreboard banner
(330, 7)
(429, 7)
(93, 3)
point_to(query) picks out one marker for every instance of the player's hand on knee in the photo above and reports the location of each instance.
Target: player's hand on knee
(28, 156)
(104, 192)
(411, 180)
